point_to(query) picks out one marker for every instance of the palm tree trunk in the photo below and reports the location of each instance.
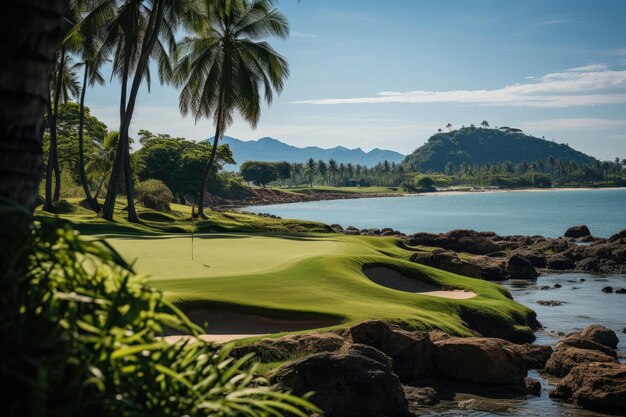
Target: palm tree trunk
(150, 38)
(47, 205)
(130, 188)
(57, 97)
(81, 154)
(28, 45)
(207, 169)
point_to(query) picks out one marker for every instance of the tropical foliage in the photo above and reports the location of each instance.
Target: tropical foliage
(83, 336)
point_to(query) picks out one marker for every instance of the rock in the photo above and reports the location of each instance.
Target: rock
(607, 289)
(600, 334)
(600, 386)
(411, 352)
(576, 349)
(537, 258)
(474, 404)
(468, 241)
(535, 356)
(533, 387)
(447, 261)
(345, 384)
(557, 286)
(624, 330)
(550, 303)
(620, 291)
(282, 348)
(577, 231)
(618, 236)
(560, 263)
(518, 267)
(480, 360)
(419, 397)
(566, 358)
(493, 273)
(588, 264)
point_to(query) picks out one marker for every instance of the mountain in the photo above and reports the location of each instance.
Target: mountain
(272, 150)
(479, 146)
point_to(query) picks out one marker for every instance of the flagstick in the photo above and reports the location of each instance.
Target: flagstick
(193, 206)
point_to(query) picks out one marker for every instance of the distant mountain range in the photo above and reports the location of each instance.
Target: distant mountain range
(479, 146)
(273, 150)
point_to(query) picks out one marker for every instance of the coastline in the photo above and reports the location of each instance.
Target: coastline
(266, 197)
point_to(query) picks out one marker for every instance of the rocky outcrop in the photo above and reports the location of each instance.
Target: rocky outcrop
(533, 387)
(535, 356)
(282, 348)
(577, 232)
(600, 386)
(580, 348)
(419, 397)
(518, 267)
(468, 241)
(348, 384)
(600, 334)
(447, 261)
(411, 352)
(560, 262)
(479, 360)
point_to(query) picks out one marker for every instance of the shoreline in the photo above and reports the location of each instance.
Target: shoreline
(270, 197)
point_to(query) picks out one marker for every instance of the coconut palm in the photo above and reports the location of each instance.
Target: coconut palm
(225, 63)
(63, 87)
(134, 32)
(85, 41)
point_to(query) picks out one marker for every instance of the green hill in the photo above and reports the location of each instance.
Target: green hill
(479, 146)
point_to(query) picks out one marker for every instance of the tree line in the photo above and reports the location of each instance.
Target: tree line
(214, 52)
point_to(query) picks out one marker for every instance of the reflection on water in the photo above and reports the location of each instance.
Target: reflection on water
(584, 304)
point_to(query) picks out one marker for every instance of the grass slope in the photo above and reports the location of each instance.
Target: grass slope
(259, 265)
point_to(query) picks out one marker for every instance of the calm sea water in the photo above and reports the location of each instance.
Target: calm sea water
(546, 213)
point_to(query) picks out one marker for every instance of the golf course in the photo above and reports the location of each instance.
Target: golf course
(254, 276)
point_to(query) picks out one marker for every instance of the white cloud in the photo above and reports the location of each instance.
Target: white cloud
(561, 89)
(569, 125)
(592, 67)
(558, 21)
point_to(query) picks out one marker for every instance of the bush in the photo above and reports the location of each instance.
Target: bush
(81, 336)
(154, 194)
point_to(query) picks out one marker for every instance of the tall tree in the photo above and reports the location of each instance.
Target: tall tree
(136, 32)
(64, 85)
(224, 64)
(85, 40)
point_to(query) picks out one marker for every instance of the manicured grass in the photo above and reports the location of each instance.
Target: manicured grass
(259, 265)
(288, 276)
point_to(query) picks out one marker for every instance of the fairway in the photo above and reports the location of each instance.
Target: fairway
(290, 280)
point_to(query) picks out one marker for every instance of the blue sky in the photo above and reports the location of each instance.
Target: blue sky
(387, 74)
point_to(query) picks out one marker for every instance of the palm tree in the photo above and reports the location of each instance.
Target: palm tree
(85, 41)
(332, 171)
(64, 86)
(135, 32)
(310, 170)
(222, 67)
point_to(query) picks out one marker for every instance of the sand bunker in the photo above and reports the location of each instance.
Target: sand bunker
(224, 326)
(390, 278)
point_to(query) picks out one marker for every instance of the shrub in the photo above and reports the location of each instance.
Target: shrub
(81, 336)
(154, 194)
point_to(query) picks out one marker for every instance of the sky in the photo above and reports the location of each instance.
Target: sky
(388, 74)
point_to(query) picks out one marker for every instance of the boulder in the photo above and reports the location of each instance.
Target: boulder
(600, 386)
(447, 261)
(419, 397)
(347, 384)
(533, 387)
(480, 360)
(518, 267)
(618, 236)
(411, 352)
(560, 262)
(493, 272)
(282, 348)
(600, 334)
(576, 349)
(535, 356)
(577, 231)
